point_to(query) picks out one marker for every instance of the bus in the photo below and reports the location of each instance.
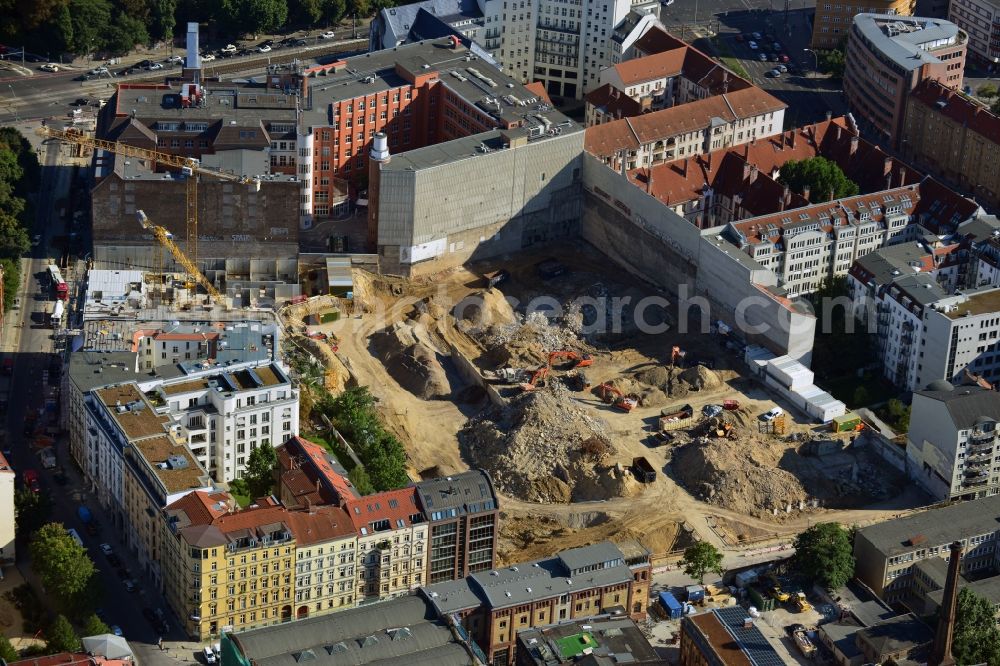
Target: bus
(59, 286)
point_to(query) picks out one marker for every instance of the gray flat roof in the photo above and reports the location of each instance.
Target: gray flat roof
(458, 494)
(906, 39)
(92, 369)
(922, 288)
(893, 261)
(988, 588)
(241, 104)
(842, 634)
(966, 404)
(402, 630)
(936, 526)
(619, 638)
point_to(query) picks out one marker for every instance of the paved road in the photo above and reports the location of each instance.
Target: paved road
(34, 347)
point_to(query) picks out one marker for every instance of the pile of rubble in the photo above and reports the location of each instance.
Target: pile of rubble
(544, 448)
(659, 386)
(741, 475)
(526, 341)
(408, 352)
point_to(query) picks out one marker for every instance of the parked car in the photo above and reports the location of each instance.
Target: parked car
(143, 64)
(116, 630)
(98, 71)
(763, 57)
(229, 48)
(30, 477)
(207, 57)
(773, 57)
(784, 57)
(299, 42)
(49, 67)
(738, 37)
(773, 413)
(106, 549)
(264, 48)
(267, 42)
(756, 36)
(782, 69)
(130, 586)
(329, 34)
(209, 655)
(774, 73)
(175, 59)
(753, 45)
(777, 46)
(154, 66)
(79, 101)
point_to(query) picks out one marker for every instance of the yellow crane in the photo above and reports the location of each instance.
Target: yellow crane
(189, 166)
(165, 238)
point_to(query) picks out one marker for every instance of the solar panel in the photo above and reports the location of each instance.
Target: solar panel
(752, 641)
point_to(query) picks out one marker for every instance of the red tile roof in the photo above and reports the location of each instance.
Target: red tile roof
(203, 507)
(250, 518)
(307, 473)
(613, 102)
(318, 525)
(538, 88)
(958, 108)
(395, 506)
(657, 40)
(660, 65)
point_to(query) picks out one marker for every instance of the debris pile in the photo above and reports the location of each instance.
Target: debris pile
(526, 341)
(741, 476)
(544, 448)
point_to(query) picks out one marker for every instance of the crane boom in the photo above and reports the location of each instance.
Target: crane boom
(164, 238)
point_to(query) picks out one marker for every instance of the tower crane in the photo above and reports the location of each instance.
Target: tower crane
(165, 238)
(189, 166)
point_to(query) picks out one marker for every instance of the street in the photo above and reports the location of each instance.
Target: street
(28, 334)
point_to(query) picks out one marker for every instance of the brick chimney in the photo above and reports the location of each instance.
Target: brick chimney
(649, 180)
(746, 171)
(753, 173)
(887, 166)
(941, 649)
(786, 195)
(794, 132)
(902, 176)
(805, 191)
(854, 144)
(839, 128)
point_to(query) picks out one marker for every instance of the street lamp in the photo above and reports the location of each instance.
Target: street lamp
(815, 59)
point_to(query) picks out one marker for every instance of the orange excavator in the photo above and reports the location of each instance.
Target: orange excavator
(616, 398)
(578, 360)
(536, 379)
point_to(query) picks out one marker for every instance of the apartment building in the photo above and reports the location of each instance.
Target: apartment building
(7, 545)
(223, 413)
(720, 638)
(608, 103)
(832, 22)
(575, 584)
(325, 558)
(310, 476)
(462, 521)
(702, 126)
(392, 544)
(888, 56)
(980, 19)
(951, 450)
(954, 137)
(889, 554)
(229, 571)
(562, 45)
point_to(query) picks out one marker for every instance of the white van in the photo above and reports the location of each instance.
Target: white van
(773, 413)
(76, 537)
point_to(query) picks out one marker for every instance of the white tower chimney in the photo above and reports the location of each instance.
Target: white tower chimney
(193, 58)
(380, 148)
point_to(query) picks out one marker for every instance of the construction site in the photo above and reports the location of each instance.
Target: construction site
(588, 431)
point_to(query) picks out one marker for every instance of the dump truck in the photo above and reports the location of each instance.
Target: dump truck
(678, 416)
(804, 643)
(493, 278)
(643, 470)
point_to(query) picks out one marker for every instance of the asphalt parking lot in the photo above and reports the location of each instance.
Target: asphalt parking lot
(719, 27)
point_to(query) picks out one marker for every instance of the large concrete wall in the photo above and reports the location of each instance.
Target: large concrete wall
(487, 204)
(234, 220)
(649, 239)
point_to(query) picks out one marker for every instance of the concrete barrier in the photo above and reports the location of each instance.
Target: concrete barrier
(470, 373)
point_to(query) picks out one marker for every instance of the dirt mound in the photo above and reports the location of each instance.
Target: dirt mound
(649, 396)
(408, 356)
(544, 448)
(483, 309)
(526, 342)
(657, 376)
(742, 476)
(701, 378)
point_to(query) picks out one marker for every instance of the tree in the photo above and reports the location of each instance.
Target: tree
(363, 484)
(162, 19)
(11, 280)
(822, 176)
(32, 510)
(824, 553)
(334, 10)
(987, 90)
(256, 16)
(898, 414)
(95, 626)
(976, 639)
(7, 651)
(124, 34)
(701, 559)
(305, 12)
(831, 62)
(89, 20)
(60, 636)
(259, 474)
(63, 565)
(359, 8)
(860, 396)
(385, 462)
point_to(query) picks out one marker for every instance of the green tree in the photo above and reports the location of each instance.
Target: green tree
(385, 462)
(860, 396)
(995, 107)
(976, 639)
(63, 566)
(94, 626)
(11, 280)
(60, 637)
(987, 90)
(256, 16)
(259, 474)
(359, 477)
(305, 12)
(821, 175)
(898, 414)
(831, 62)
(162, 19)
(32, 510)
(90, 18)
(359, 8)
(7, 651)
(701, 559)
(125, 34)
(334, 10)
(824, 554)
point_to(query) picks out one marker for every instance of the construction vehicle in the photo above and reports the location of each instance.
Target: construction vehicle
(723, 429)
(578, 360)
(776, 590)
(188, 166)
(801, 604)
(616, 398)
(506, 375)
(804, 643)
(676, 417)
(165, 238)
(578, 380)
(536, 379)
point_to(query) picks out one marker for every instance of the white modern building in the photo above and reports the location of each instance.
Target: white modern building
(6, 512)
(952, 443)
(564, 44)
